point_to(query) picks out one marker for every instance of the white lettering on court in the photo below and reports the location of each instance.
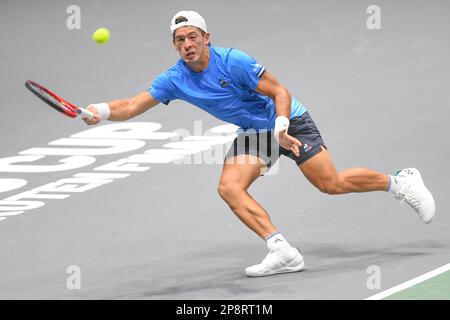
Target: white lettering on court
(83, 149)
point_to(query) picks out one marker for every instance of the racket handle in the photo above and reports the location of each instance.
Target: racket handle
(85, 113)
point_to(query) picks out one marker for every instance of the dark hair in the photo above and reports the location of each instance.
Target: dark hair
(184, 19)
(180, 19)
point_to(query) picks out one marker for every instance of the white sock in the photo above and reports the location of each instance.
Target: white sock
(275, 241)
(396, 183)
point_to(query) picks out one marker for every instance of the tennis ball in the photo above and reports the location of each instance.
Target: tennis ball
(101, 35)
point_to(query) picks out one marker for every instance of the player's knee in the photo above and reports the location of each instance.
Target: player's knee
(330, 186)
(228, 190)
(222, 190)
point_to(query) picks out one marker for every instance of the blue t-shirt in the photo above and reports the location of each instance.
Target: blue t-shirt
(226, 89)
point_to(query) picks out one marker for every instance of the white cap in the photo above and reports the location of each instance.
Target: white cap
(193, 19)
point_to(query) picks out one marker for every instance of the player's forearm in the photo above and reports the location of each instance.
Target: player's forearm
(120, 110)
(283, 103)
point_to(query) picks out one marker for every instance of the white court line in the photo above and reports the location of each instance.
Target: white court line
(410, 283)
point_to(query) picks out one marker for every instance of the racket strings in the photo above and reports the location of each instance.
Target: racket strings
(51, 98)
(53, 101)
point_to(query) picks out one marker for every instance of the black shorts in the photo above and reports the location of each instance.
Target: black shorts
(263, 145)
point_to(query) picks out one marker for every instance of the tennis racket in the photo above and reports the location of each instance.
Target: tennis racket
(56, 102)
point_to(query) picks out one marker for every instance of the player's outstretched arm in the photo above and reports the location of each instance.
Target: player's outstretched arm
(121, 109)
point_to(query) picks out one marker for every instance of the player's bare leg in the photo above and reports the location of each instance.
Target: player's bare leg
(238, 174)
(407, 184)
(320, 171)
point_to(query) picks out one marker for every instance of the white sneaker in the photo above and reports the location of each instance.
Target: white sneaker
(281, 260)
(416, 194)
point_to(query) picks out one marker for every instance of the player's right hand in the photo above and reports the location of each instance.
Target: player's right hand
(96, 119)
(289, 142)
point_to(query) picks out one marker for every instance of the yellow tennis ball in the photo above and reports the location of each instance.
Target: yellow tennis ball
(101, 35)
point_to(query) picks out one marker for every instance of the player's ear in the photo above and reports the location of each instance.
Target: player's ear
(173, 40)
(207, 39)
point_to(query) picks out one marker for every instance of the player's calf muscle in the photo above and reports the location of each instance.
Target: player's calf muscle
(362, 180)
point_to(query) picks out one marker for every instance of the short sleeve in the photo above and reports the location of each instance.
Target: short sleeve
(244, 69)
(162, 89)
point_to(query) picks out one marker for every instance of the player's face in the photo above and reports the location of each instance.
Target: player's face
(191, 44)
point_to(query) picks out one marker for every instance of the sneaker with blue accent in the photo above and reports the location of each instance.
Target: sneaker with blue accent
(416, 194)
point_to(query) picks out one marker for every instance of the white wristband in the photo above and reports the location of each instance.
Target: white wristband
(281, 123)
(102, 109)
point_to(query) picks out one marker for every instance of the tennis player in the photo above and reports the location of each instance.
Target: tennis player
(232, 86)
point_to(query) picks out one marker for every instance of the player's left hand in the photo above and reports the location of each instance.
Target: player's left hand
(289, 142)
